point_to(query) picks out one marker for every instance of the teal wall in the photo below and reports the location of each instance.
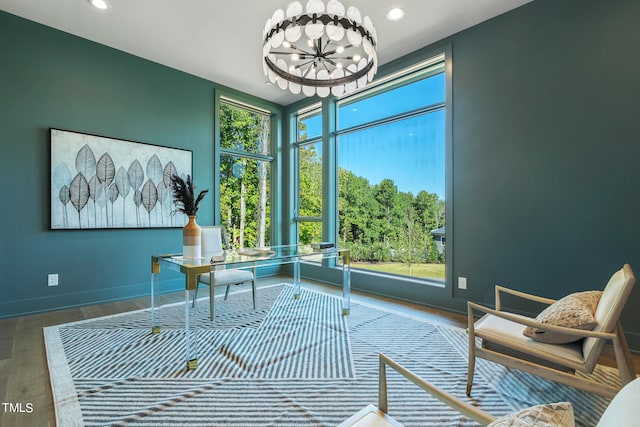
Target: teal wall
(546, 150)
(546, 143)
(49, 78)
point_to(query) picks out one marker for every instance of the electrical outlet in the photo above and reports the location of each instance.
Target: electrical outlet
(52, 280)
(462, 283)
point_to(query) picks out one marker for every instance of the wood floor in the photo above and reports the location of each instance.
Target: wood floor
(25, 391)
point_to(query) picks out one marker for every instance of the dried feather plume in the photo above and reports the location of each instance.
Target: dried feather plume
(184, 195)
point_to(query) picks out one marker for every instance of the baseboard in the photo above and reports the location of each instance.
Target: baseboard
(29, 306)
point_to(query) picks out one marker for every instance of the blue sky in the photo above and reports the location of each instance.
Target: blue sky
(410, 151)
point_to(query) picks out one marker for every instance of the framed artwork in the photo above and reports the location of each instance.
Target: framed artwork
(99, 182)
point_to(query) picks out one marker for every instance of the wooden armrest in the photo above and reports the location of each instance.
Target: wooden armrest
(527, 321)
(463, 407)
(520, 294)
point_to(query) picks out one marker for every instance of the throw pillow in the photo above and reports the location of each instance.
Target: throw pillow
(549, 415)
(573, 311)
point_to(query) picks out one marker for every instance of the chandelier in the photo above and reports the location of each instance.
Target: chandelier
(319, 50)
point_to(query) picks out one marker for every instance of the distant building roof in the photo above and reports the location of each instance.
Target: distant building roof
(438, 231)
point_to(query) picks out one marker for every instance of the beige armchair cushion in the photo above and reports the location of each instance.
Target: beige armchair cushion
(549, 415)
(573, 311)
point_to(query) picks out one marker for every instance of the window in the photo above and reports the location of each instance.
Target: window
(391, 175)
(245, 174)
(309, 179)
(384, 155)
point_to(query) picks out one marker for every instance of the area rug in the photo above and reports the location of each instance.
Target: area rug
(290, 362)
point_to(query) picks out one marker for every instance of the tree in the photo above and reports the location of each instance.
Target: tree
(385, 194)
(310, 181)
(358, 210)
(411, 243)
(244, 189)
(262, 176)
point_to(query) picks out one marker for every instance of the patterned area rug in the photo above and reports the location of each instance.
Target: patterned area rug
(290, 362)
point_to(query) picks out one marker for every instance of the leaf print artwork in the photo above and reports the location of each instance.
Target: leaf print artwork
(86, 161)
(136, 175)
(93, 189)
(169, 171)
(65, 198)
(61, 176)
(113, 195)
(105, 169)
(79, 193)
(149, 197)
(108, 181)
(137, 200)
(163, 195)
(123, 186)
(154, 169)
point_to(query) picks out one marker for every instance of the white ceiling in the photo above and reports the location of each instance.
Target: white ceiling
(221, 41)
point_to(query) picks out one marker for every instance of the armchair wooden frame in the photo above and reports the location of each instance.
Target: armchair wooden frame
(378, 416)
(461, 406)
(542, 359)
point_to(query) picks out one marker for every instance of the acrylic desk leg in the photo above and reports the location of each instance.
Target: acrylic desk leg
(296, 279)
(191, 332)
(346, 284)
(155, 294)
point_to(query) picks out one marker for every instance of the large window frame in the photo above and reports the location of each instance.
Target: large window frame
(404, 255)
(397, 74)
(271, 159)
(301, 142)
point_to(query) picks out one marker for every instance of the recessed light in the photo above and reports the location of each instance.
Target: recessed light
(100, 4)
(395, 14)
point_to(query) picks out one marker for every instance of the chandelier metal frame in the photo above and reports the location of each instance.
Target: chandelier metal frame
(323, 61)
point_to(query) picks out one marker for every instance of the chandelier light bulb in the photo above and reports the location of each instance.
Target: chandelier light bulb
(395, 14)
(339, 56)
(100, 4)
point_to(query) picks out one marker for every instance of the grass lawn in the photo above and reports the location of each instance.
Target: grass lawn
(430, 271)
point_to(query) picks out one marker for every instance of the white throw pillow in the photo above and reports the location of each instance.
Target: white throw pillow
(548, 415)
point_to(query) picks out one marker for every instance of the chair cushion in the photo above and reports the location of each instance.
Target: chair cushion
(573, 311)
(509, 334)
(370, 416)
(227, 277)
(548, 415)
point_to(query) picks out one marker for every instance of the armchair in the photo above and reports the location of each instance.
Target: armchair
(501, 339)
(621, 412)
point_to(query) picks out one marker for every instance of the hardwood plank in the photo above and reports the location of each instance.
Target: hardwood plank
(8, 328)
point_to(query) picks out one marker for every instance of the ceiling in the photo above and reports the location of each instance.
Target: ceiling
(221, 41)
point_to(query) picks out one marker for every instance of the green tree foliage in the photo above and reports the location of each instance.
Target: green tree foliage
(310, 187)
(379, 223)
(244, 200)
(411, 244)
(310, 181)
(359, 213)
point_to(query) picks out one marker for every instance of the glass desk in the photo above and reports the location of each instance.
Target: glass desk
(240, 258)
